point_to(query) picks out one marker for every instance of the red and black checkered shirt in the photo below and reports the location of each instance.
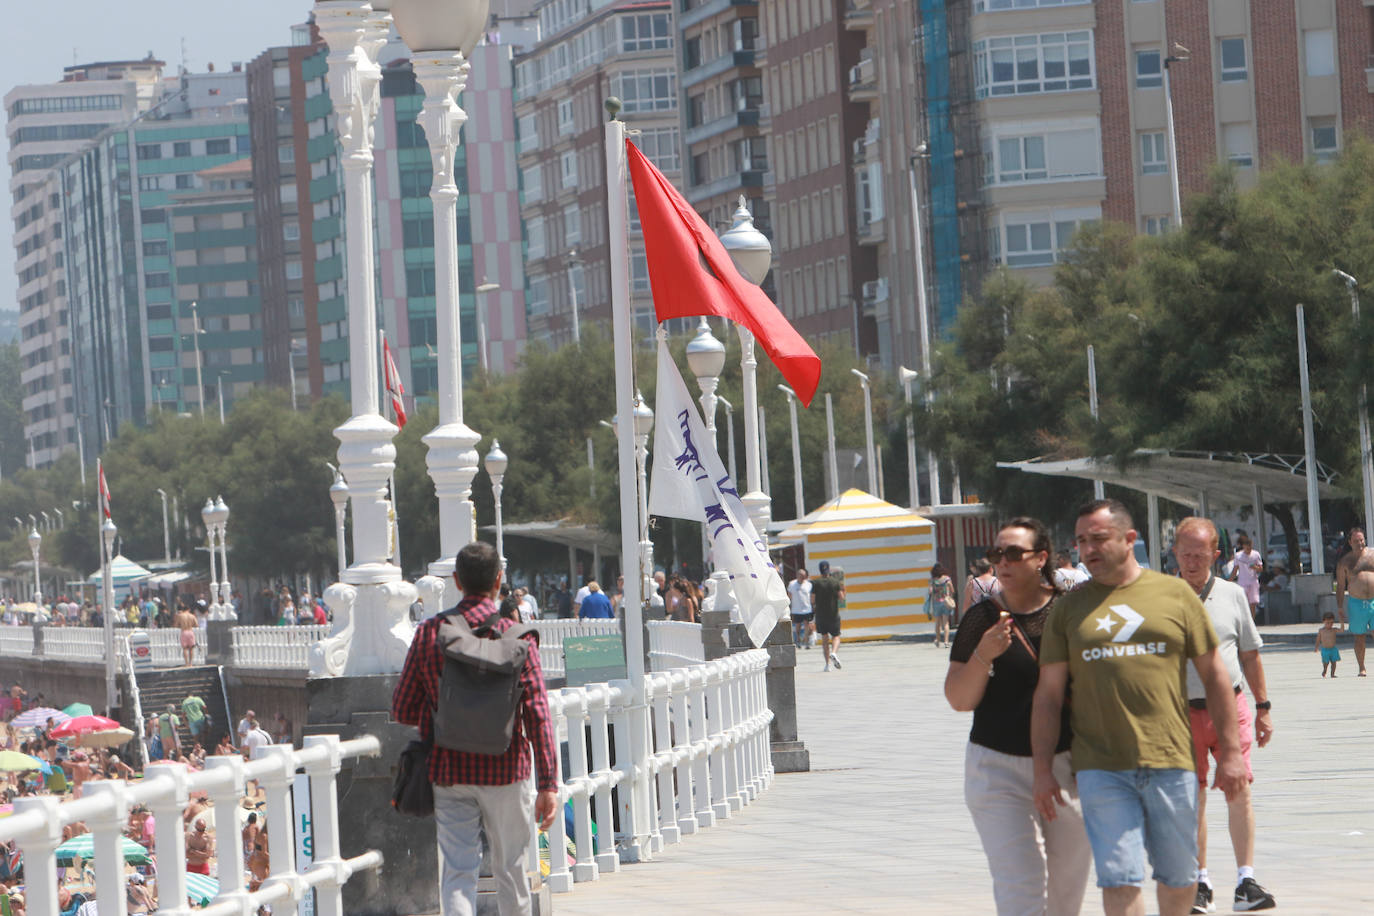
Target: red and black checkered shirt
(417, 693)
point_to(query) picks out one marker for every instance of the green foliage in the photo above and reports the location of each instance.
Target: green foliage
(12, 444)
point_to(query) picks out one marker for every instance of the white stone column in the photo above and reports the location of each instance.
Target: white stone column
(452, 457)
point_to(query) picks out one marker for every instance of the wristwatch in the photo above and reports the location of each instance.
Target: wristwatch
(1265, 704)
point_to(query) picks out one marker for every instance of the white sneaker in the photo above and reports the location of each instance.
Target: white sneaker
(835, 660)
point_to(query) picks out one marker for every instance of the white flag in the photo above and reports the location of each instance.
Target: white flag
(691, 482)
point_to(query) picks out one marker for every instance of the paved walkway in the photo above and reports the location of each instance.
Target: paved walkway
(879, 824)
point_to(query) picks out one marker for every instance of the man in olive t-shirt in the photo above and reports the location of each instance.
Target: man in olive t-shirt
(1123, 641)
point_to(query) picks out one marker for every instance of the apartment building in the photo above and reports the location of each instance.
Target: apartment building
(588, 51)
(824, 240)
(46, 124)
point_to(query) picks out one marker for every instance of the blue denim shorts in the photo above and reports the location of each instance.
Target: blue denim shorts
(1131, 813)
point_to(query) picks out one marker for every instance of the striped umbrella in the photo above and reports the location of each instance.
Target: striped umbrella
(38, 717)
(78, 709)
(83, 847)
(200, 889)
(82, 725)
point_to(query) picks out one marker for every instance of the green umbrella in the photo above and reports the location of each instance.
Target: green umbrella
(83, 847)
(79, 709)
(200, 889)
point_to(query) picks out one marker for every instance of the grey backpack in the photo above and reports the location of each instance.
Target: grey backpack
(479, 690)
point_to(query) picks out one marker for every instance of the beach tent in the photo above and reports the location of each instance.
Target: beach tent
(885, 551)
(123, 572)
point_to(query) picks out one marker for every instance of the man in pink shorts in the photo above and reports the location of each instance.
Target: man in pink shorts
(1195, 547)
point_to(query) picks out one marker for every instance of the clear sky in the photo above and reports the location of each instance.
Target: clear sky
(48, 36)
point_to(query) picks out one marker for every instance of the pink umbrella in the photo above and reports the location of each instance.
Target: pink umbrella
(83, 725)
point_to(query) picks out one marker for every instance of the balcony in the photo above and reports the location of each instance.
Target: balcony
(746, 118)
(872, 231)
(858, 15)
(875, 293)
(689, 17)
(736, 181)
(714, 68)
(863, 79)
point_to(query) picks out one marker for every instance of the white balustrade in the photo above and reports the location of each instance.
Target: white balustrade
(275, 647)
(16, 640)
(37, 823)
(73, 643)
(673, 644)
(710, 756)
(165, 645)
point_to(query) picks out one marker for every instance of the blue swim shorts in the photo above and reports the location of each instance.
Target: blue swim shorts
(1361, 614)
(1330, 656)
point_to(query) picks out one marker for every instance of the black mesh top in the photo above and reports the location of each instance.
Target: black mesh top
(1001, 721)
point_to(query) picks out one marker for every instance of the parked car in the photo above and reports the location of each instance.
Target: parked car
(1277, 550)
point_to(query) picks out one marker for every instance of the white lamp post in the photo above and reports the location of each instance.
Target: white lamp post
(207, 515)
(338, 493)
(574, 261)
(107, 539)
(483, 346)
(226, 608)
(496, 463)
(219, 393)
(868, 432)
(752, 255)
(796, 450)
(200, 380)
(441, 35)
(643, 425)
(166, 533)
(1314, 512)
(729, 434)
(61, 519)
(706, 360)
(913, 483)
(1180, 55)
(1366, 456)
(36, 542)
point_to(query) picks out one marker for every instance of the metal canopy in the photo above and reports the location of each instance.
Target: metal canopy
(564, 532)
(1226, 478)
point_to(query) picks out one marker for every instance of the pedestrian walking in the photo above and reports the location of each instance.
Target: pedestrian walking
(1122, 643)
(1039, 865)
(827, 592)
(941, 603)
(803, 620)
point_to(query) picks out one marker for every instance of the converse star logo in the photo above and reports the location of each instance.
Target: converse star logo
(1132, 622)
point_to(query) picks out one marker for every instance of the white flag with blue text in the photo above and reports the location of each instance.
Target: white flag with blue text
(691, 482)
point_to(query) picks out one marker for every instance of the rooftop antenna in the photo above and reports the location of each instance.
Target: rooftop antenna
(184, 64)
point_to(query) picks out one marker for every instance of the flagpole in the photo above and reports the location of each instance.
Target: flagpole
(634, 804)
(387, 393)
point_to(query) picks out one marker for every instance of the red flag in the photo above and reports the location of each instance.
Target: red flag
(692, 274)
(393, 385)
(104, 488)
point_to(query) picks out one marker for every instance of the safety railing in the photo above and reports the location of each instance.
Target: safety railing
(553, 632)
(275, 647)
(674, 643)
(703, 754)
(37, 823)
(166, 647)
(73, 643)
(16, 640)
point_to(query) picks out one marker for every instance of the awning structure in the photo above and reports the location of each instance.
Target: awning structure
(1189, 478)
(166, 580)
(563, 532)
(122, 571)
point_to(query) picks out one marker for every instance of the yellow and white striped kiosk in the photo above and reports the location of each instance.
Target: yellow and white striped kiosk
(886, 553)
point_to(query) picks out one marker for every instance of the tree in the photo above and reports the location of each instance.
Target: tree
(13, 452)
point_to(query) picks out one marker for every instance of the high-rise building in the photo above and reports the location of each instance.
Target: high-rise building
(587, 52)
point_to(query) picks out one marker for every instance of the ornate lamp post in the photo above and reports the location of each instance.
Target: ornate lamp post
(752, 255)
(706, 359)
(441, 35)
(36, 542)
(226, 607)
(207, 515)
(107, 539)
(643, 425)
(496, 463)
(339, 494)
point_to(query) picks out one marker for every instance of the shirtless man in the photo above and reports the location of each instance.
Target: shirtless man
(199, 849)
(185, 621)
(1355, 591)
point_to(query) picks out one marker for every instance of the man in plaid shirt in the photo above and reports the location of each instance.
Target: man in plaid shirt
(476, 792)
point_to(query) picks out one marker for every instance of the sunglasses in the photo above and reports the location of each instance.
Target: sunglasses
(1013, 554)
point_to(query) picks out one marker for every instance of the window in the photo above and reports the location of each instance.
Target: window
(295, 307)
(646, 32)
(152, 216)
(155, 248)
(750, 154)
(537, 298)
(534, 235)
(1233, 68)
(701, 169)
(1036, 239)
(286, 154)
(218, 147)
(1154, 156)
(533, 178)
(185, 182)
(1068, 152)
(1156, 225)
(159, 280)
(416, 182)
(691, 53)
(1149, 71)
(149, 182)
(149, 151)
(1319, 52)
(1021, 159)
(1053, 62)
(1324, 138)
(572, 225)
(646, 90)
(181, 149)
(567, 122)
(1240, 149)
(662, 147)
(291, 230)
(527, 130)
(639, 271)
(989, 6)
(418, 232)
(293, 270)
(567, 165)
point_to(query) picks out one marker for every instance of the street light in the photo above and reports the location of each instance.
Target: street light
(482, 346)
(35, 542)
(222, 521)
(47, 520)
(1366, 455)
(338, 493)
(1180, 55)
(207, 515)
(219, 393)
(729, 435)
(752, 255)
(496, 463)
(868, 432)
(200, 381)
(706, 360)
(1314, 518)
(61, 519)
(107, 540)
(913, 484)
(796, 450)
(166, 533)
(643, 425)
(574, 261)
(922, 305)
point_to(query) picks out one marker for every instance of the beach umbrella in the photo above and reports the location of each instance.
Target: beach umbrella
(200, 889)
(82, 725)
(112, 738)
(38, 717)
(15, 762)
(83, 847)
(78, 709)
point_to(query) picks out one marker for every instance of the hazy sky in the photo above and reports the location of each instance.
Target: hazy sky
(54, 34)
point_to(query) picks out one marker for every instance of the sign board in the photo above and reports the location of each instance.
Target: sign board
(593, 659)
(305, 837)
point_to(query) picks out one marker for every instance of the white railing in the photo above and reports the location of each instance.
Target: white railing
(553, 632)
(166, 647)
(707, 756)
(16, 640)
(673, 644)
(37, 824)
(275, 647)
(73, 643)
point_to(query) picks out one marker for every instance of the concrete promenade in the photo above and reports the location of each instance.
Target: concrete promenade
(879, 824)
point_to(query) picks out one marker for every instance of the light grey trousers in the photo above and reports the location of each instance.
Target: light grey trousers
(506, 814)
(1038, 868)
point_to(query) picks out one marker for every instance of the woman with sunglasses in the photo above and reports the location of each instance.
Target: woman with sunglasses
(1038, 867)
